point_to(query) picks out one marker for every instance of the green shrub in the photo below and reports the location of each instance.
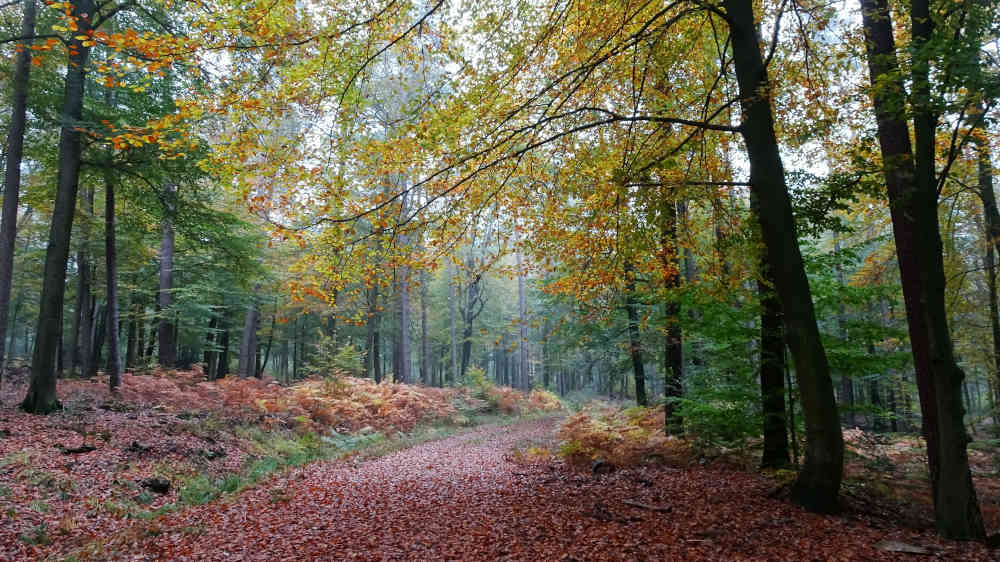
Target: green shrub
(38, 535)
(198, 490)
(721, 408)
(329, 360)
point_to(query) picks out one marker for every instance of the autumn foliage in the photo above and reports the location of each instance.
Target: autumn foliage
(343, 403)
(626, 437)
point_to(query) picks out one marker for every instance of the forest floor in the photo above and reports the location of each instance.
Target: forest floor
(491, 492)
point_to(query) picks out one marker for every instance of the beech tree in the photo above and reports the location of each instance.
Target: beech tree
(912, 185)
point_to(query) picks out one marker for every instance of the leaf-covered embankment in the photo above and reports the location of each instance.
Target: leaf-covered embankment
(73, 478)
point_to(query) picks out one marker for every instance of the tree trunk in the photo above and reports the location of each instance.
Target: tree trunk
(453, 370)
(377, 359)
(772, 374)
(41, 397)
(84, 319)
(165, 330)
(223, 368)
(98, 335)
(13, 326)
(992, 244)
(466, 348)
(846, 383)
(132, 343)
(818, 484)
(151, 342)
(402, 367)
(673, 343)
(111, 260)
(267, 348)
(248, 344)
(522, 309)
(140, 322)
(210, 354)
(425, 360)
(912, 189)
(635, 344)
(12, 171)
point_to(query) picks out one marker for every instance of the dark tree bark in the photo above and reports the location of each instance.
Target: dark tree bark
(522, 311)
(151, 342)
(111, 261)
(772, 374)
(267, 348)
(635, 343)
(210, 354)
(846, 383)
(425, 360)
(98, 336)
(248, 344)
(453, 368)
(12, 171)
(402, 367)
(985, 188)
(818, 484)
(82, 344)
(41, 397)
(132, 342)
(673, 344)
(223, 368)
(140, 321)
(165, 331)
(376, 335)
(911, 183)
(772, 363)
(474, 302)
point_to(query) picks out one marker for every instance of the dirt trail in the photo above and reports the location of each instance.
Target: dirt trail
(465, 498)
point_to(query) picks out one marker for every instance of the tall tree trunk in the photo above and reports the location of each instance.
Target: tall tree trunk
(248, 344)
(12, 171)
(772, 373)
(818, 484)
(97, 336)
(522, 310)
(466, 348)
(772, 362)
(140, 321)
(403, 366)
(165, 330)
(151, 342)
(635, 343)
(41, 397)
(453, 370)
(111, 260)
(223, 367)
(13, 325)
(673, 343)
(911, 183)
(374, 349)
(131, 342)
(846, 383)
(85, 314)
(425, 360)
(267, 348)
(210, 354)
(992, 235)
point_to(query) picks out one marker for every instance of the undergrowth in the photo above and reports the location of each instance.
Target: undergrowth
(623, 437)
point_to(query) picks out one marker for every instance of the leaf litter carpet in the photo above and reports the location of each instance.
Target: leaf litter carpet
(468, 498)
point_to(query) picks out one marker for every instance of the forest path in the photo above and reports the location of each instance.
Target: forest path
(467, 497)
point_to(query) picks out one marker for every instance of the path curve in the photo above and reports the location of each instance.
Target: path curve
(465, 498)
